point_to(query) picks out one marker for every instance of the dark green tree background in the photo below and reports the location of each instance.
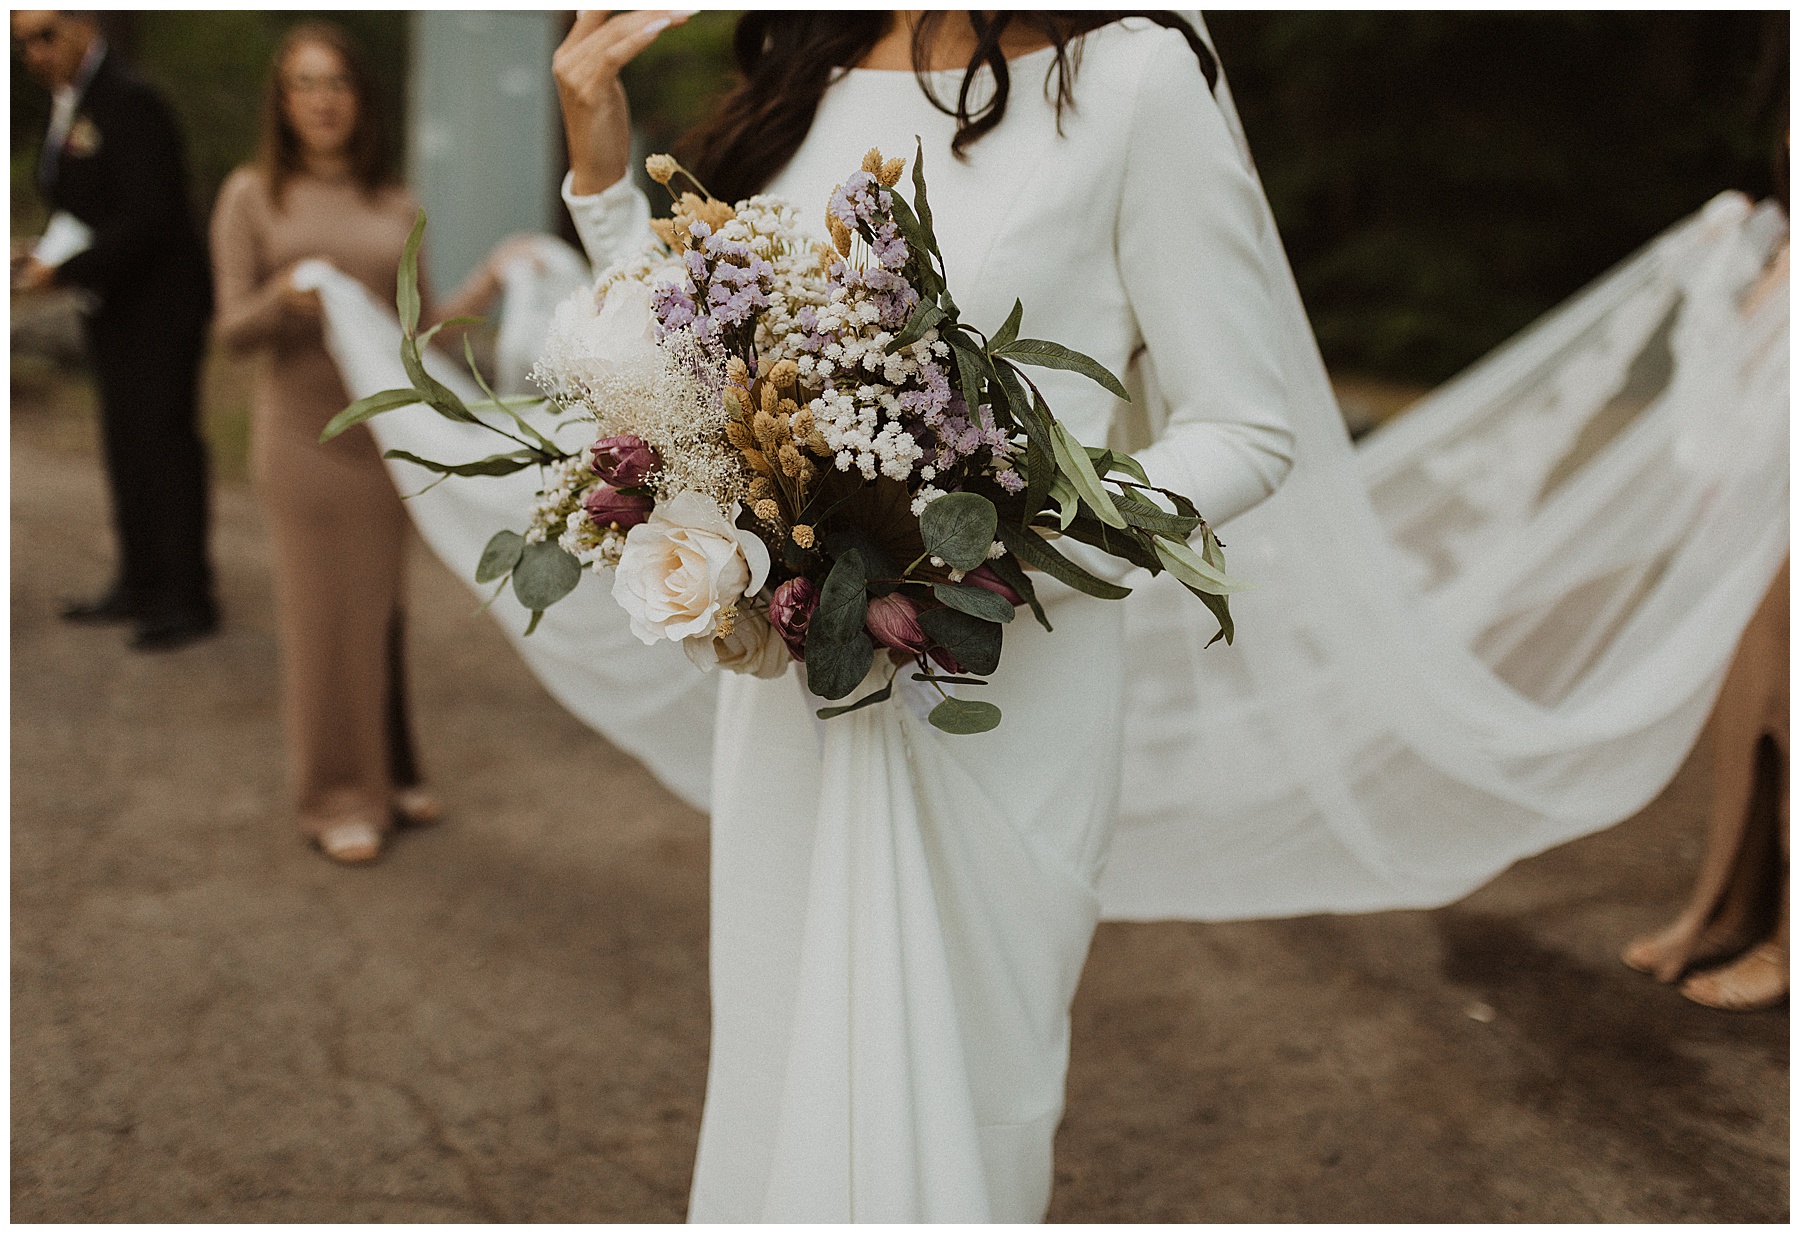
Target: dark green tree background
(1440, 179)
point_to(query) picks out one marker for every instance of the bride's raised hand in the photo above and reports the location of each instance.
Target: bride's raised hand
(596, 116)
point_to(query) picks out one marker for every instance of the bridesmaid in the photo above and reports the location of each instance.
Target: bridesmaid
(320, 187)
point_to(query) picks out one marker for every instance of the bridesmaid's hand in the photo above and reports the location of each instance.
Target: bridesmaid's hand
(300, 303)
(596, 116)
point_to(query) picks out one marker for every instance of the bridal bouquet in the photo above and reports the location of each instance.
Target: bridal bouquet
(803, 452)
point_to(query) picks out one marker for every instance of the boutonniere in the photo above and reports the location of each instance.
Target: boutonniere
(84, 138)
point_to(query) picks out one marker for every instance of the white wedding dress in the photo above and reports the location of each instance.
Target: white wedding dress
(1496, 627)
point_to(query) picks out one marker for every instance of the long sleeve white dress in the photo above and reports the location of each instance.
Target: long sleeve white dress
(899, 916)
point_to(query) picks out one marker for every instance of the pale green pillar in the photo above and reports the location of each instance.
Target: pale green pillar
(484, 153)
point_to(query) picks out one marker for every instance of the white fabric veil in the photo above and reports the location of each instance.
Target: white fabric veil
(1496, 626)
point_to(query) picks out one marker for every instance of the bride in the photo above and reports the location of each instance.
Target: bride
(899, 917)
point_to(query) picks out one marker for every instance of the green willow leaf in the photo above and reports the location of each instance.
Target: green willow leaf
(500, 404)
(1149, 517)
(950, 681)
(1033, 550)
(432, 392)
(964, 716)
(367, 409)
(493, 465)
(1010, 330)
(407, 300)
(923, 318)
(1067, 500)
(1013, 576)
(500, 556)
(921, 206)
(1045, 354)
(975, 601)
(1072, 458)
(1199, 574)
(868, 700)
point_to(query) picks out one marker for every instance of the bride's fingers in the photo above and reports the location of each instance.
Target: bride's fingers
(598, 47)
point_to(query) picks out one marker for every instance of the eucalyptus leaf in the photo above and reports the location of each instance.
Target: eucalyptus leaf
(367, 409)
(545, 574)
(537, 615)
(975, 601)
(500, 556)
(868, 700)
(964, 716)
(838, 652)
(958, 528)
(973, 642)
(1045, 354)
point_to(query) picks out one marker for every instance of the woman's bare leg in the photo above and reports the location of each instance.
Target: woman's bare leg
(1752, 702)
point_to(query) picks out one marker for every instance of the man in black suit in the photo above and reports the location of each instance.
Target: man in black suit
(113, 159)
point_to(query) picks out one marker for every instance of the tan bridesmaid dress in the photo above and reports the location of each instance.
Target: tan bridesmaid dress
(336, 525)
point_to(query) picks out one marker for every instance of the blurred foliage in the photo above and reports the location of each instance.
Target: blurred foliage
(1441, 179)
(677, 79)
(213, 66)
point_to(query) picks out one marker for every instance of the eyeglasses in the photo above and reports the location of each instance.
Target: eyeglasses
(336, 83)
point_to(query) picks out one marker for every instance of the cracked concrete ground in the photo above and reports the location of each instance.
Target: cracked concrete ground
(506, 1018)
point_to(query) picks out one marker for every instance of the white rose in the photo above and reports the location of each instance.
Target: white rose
(617, 342)
(684, 564)
(752, 647)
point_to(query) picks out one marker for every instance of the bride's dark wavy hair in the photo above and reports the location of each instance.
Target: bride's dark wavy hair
(786, 60)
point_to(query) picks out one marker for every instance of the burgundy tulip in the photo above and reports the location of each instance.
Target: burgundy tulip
(622, 461)
(893, 620)
(949, 663)
(610, 508)
(984, 576)
(790, 612)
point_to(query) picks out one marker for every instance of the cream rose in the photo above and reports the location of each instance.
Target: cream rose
(752, 647)
(682, 565)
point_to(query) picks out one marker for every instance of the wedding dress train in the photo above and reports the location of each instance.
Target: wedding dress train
(1496, 626)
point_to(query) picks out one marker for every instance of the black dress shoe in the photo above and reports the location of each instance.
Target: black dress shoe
(116, 607)
(168, 630)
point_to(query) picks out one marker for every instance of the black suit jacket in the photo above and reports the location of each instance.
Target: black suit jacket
(123, 173)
